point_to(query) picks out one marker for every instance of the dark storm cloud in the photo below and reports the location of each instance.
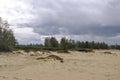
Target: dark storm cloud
(107, 31)
(75, 17)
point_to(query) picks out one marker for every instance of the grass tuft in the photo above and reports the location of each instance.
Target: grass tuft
(107, 52)
(54, 57)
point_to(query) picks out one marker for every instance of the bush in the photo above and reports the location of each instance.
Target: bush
(62, 51)
(28, 48)
(51, 49)
(85, 50)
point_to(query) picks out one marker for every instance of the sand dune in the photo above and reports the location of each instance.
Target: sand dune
(76, 66)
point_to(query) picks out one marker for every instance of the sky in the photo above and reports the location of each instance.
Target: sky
(84, 20)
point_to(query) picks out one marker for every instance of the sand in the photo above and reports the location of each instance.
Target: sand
(77, 66)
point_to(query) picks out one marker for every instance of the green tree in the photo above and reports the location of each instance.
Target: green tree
(7, 39)
(53, 42)
(64, 44)
(47, 42)
(71, 44)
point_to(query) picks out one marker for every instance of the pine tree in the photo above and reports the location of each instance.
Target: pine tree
(64, 44)
(53, 42)
(47, 42)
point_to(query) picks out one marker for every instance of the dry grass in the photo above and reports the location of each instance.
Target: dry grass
(85, 50)
(107, 52)
(54, 57)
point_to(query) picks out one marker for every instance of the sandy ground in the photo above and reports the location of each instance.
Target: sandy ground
(76, 66)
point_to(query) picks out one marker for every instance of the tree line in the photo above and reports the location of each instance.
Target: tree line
(52, 44)
(65, 44)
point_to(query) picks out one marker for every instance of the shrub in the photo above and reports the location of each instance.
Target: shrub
(85, 50)
(62, 51)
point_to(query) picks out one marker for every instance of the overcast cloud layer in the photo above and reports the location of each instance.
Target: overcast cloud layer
(32, 20)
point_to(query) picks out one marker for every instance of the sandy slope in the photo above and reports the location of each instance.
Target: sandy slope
(76, 66)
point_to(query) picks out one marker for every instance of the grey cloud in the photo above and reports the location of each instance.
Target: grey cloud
(107, 31)
(55, 17)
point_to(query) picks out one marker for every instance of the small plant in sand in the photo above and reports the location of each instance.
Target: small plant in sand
(32, 54)
(54, 57)
(107, 52)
